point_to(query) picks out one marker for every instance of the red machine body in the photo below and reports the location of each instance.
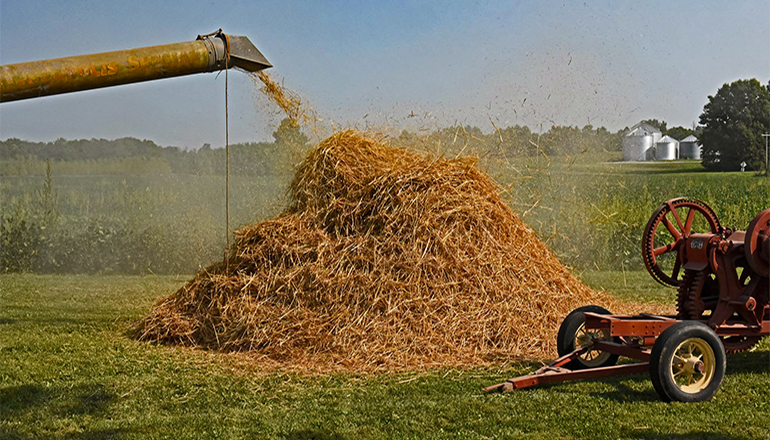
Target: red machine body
(723, 306)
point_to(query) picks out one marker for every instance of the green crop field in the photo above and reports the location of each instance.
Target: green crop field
(590, 211)
(68, 371)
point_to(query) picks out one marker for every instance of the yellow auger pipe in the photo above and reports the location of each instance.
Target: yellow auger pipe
(72, 74)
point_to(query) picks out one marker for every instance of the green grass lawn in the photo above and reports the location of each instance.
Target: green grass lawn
(633, 286)
(68, 370)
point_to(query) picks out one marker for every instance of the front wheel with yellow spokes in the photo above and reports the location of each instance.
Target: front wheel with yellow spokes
(687, 363)
(574, 335)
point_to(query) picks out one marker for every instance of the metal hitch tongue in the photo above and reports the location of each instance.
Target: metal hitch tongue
(208, 53)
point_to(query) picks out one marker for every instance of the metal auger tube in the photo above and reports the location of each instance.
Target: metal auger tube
(84, 72)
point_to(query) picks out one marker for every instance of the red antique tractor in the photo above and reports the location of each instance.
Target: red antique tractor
(723, 306)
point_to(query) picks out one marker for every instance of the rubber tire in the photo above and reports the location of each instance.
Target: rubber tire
(565, 341)
(663, 353)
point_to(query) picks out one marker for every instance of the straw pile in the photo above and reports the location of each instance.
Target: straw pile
(385, 259)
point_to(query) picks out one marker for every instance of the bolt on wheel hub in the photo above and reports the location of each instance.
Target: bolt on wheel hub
(693, 365)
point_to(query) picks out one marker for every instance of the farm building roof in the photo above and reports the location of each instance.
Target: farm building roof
(642, 129)
(667, 139)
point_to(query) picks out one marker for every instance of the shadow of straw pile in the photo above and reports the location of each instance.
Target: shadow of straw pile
(385, 259)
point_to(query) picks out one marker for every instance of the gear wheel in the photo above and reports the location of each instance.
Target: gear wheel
(679, 231)
(698, 294)
(683, 294)
(703, 295)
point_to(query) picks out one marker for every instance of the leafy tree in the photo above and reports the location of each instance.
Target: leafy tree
(660, 125)
(679, 133)
(289, 134)
(733, 122)
(289, 147)
(518, 141)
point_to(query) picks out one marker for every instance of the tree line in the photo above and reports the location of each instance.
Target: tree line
(289, 141)
(730, 130)
(252, 158)
(289, 144)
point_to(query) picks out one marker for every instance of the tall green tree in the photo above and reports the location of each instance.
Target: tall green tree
(679, 132)
(733, 122)
(290, 144)
(289, 134)
(660, 125)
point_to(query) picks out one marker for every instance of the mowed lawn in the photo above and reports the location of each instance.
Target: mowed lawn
(68, 370)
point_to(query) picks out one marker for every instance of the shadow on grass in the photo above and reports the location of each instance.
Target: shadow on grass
(101, 434)
(308, 434)
(53, 401)
(695, 435)
(749, 362)
(37, 404)
(739, 363)
(20, 398)
(622, 393)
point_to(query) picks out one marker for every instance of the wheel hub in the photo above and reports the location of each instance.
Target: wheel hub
(584, 338)
(693, 365)
(690, 366)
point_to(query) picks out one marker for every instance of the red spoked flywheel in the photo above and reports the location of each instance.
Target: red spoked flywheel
(757, 245)
(667, 231)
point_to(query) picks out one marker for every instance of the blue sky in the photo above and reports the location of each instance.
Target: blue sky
(607, 63)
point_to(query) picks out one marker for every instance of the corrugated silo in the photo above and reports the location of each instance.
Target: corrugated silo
(689, 148)
(639, 142)
(636, 144)
(666, 148)
(651, 129)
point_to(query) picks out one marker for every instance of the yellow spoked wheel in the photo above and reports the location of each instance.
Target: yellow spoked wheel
(687, 363)
(573, 335)
(693, 365)
(592, 358)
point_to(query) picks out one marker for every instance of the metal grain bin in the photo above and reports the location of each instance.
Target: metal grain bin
(651, 129)
(637, 144)
(666, 148)
(689, 148)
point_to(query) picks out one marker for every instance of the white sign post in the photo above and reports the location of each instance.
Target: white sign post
(767, 170)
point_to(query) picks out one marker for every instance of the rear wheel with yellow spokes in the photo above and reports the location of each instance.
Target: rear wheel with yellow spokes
(687, 363)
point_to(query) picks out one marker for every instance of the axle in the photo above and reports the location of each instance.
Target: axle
(71, 74)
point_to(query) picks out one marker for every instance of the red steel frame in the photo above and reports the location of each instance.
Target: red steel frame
(720, 251)
(636, 333)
